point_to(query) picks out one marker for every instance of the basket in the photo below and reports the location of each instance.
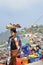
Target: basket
(24, 61)
(9, 26)
(34, 59)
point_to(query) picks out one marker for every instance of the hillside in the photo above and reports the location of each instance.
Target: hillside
(4, 36)
(34, 29)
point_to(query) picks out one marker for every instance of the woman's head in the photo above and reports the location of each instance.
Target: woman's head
(37, 47)
(13, 31)
(33, 51)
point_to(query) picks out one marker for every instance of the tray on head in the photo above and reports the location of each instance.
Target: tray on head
(9, 26)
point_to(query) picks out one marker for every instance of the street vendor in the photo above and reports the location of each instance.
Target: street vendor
(15, 44)
(33, 54)
(39, 50)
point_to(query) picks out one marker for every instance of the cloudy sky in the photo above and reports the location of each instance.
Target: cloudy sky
(25, 12)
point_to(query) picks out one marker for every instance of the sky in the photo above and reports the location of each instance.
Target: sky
(24, 12)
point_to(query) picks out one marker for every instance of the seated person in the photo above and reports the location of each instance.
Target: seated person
(26, 50)
(38, 50)
(33, 54)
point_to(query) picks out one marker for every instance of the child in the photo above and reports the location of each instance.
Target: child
(33, 54)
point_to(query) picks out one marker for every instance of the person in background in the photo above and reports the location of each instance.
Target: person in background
(34, 52)
(26, 50)
(38, 50)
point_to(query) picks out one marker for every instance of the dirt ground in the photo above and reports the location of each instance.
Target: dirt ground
(40, 62)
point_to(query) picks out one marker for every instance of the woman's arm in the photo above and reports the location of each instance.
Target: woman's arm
(16, 42)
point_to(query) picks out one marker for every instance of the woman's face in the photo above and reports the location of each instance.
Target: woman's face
(37, 48)
(33, 52)
(12, 33)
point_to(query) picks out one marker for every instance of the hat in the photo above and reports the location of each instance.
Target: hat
(13, 30)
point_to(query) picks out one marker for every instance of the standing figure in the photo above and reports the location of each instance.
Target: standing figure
(14, 44)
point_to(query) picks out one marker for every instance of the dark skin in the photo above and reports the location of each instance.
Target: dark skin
(14, 52)
(14, 34)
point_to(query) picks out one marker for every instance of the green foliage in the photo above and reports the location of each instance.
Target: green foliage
(40, 30)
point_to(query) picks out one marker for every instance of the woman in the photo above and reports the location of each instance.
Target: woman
(14, 46)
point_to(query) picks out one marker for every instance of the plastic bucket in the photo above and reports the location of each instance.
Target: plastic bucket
(18, 61)
(24, 61)
(34, 59)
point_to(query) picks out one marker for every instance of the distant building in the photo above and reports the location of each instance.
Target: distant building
(35, 25)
